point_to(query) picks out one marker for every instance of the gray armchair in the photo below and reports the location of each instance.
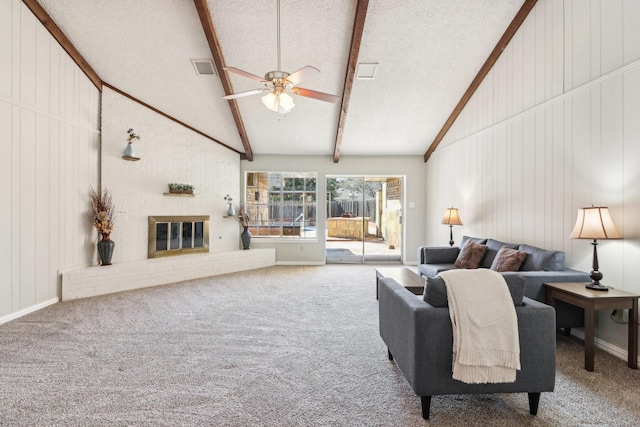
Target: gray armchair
(419, 338)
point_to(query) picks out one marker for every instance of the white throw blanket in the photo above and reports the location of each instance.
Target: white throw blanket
(486, 347)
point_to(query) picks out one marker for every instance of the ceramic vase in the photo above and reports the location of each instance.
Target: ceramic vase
(245, 236)
(128, 152)
(231, 211)
(105, 249)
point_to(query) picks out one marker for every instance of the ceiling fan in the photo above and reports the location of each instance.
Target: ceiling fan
(279, 84)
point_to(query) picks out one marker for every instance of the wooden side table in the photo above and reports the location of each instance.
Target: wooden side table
(591, 301)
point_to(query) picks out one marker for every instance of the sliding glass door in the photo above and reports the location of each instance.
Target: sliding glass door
(364, 219)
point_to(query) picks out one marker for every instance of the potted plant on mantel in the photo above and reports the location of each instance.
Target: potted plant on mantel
(181, 188)
(103, 219)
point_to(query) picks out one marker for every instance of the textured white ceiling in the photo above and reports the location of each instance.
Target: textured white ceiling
(428, 52)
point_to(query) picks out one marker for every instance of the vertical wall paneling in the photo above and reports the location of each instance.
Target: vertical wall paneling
(611, 52)
(50, 160)
(631, 180)
(571, 139)
(595, 36)
(630, 30)
(5, 208)
(6, 63)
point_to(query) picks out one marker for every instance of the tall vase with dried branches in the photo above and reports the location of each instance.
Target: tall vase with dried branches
(245, 235)
(103, 220)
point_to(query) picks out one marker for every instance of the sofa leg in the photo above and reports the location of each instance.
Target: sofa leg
(426, 406)
(567, 332)
(534, 399)
(390, 355)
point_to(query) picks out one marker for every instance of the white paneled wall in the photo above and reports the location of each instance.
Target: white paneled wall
(555, 126)
(49, 136)
(169, 153)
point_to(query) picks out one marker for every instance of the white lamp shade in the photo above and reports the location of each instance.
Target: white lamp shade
(451, 217)
(594, 223)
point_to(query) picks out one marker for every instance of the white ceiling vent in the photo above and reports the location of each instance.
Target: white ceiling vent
(203, 66)
(366, 71)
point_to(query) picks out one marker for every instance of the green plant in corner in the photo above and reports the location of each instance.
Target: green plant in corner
(176, 186)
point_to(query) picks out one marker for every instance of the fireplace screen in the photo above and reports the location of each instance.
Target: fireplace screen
(177, 235)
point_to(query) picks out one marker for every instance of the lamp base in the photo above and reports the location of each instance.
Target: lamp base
(597, 287)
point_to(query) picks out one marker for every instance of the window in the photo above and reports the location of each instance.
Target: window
(282, 204)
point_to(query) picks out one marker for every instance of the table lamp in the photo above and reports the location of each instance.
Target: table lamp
(451, 218)
(595, 223)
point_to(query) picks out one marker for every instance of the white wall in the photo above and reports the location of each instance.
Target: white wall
(49, 137)
(305, 252)
(555, 126)
(169, 153)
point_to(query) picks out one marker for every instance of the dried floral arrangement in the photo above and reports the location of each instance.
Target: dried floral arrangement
(103, 210)
(228, 199)
(132, 136)
(243, 216)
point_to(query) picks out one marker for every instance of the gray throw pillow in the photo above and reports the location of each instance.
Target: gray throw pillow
(435, 291)
(541, 259)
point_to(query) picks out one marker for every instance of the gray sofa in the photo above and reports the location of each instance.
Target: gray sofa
(540, 266)
(419, 338)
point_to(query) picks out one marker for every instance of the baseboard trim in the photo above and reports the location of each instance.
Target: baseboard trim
(300, 263)
(25, 311)
(614, 350)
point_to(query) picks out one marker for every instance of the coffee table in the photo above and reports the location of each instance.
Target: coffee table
(591, 301)
(404, 276)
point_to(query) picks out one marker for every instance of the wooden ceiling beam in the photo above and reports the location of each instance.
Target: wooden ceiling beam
(489, 63)
(356, 39)
(218, 60)
(62, 39)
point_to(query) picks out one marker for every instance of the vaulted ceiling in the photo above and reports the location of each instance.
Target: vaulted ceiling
(427, 55)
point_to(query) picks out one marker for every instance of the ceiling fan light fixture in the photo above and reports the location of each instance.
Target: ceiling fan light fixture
(281, 103)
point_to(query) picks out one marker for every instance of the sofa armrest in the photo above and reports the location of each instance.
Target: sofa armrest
(437, 254)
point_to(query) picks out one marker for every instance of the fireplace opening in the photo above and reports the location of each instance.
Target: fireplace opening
(177, 235)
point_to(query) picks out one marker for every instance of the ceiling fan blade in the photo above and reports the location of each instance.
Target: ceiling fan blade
(303, 73)
(243, 94)
(315, 94)
(244, 74)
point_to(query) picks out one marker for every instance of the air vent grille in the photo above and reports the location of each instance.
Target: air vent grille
(203, 67)
(366, 71)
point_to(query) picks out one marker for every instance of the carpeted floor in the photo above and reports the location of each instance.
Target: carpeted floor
(283, 346)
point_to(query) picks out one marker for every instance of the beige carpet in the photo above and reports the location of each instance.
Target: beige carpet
(283, 346)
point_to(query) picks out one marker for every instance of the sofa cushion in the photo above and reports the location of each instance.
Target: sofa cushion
(435, 290)
(471, 255)
(478, 240)
(541, 259)
(439, 255)
(493, 246)
(508, 259)
(430, 270)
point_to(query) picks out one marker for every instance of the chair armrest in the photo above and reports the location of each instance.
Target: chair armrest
(437, 254)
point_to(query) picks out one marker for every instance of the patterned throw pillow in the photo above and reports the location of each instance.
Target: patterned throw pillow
(508, 259)
(470, 255)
